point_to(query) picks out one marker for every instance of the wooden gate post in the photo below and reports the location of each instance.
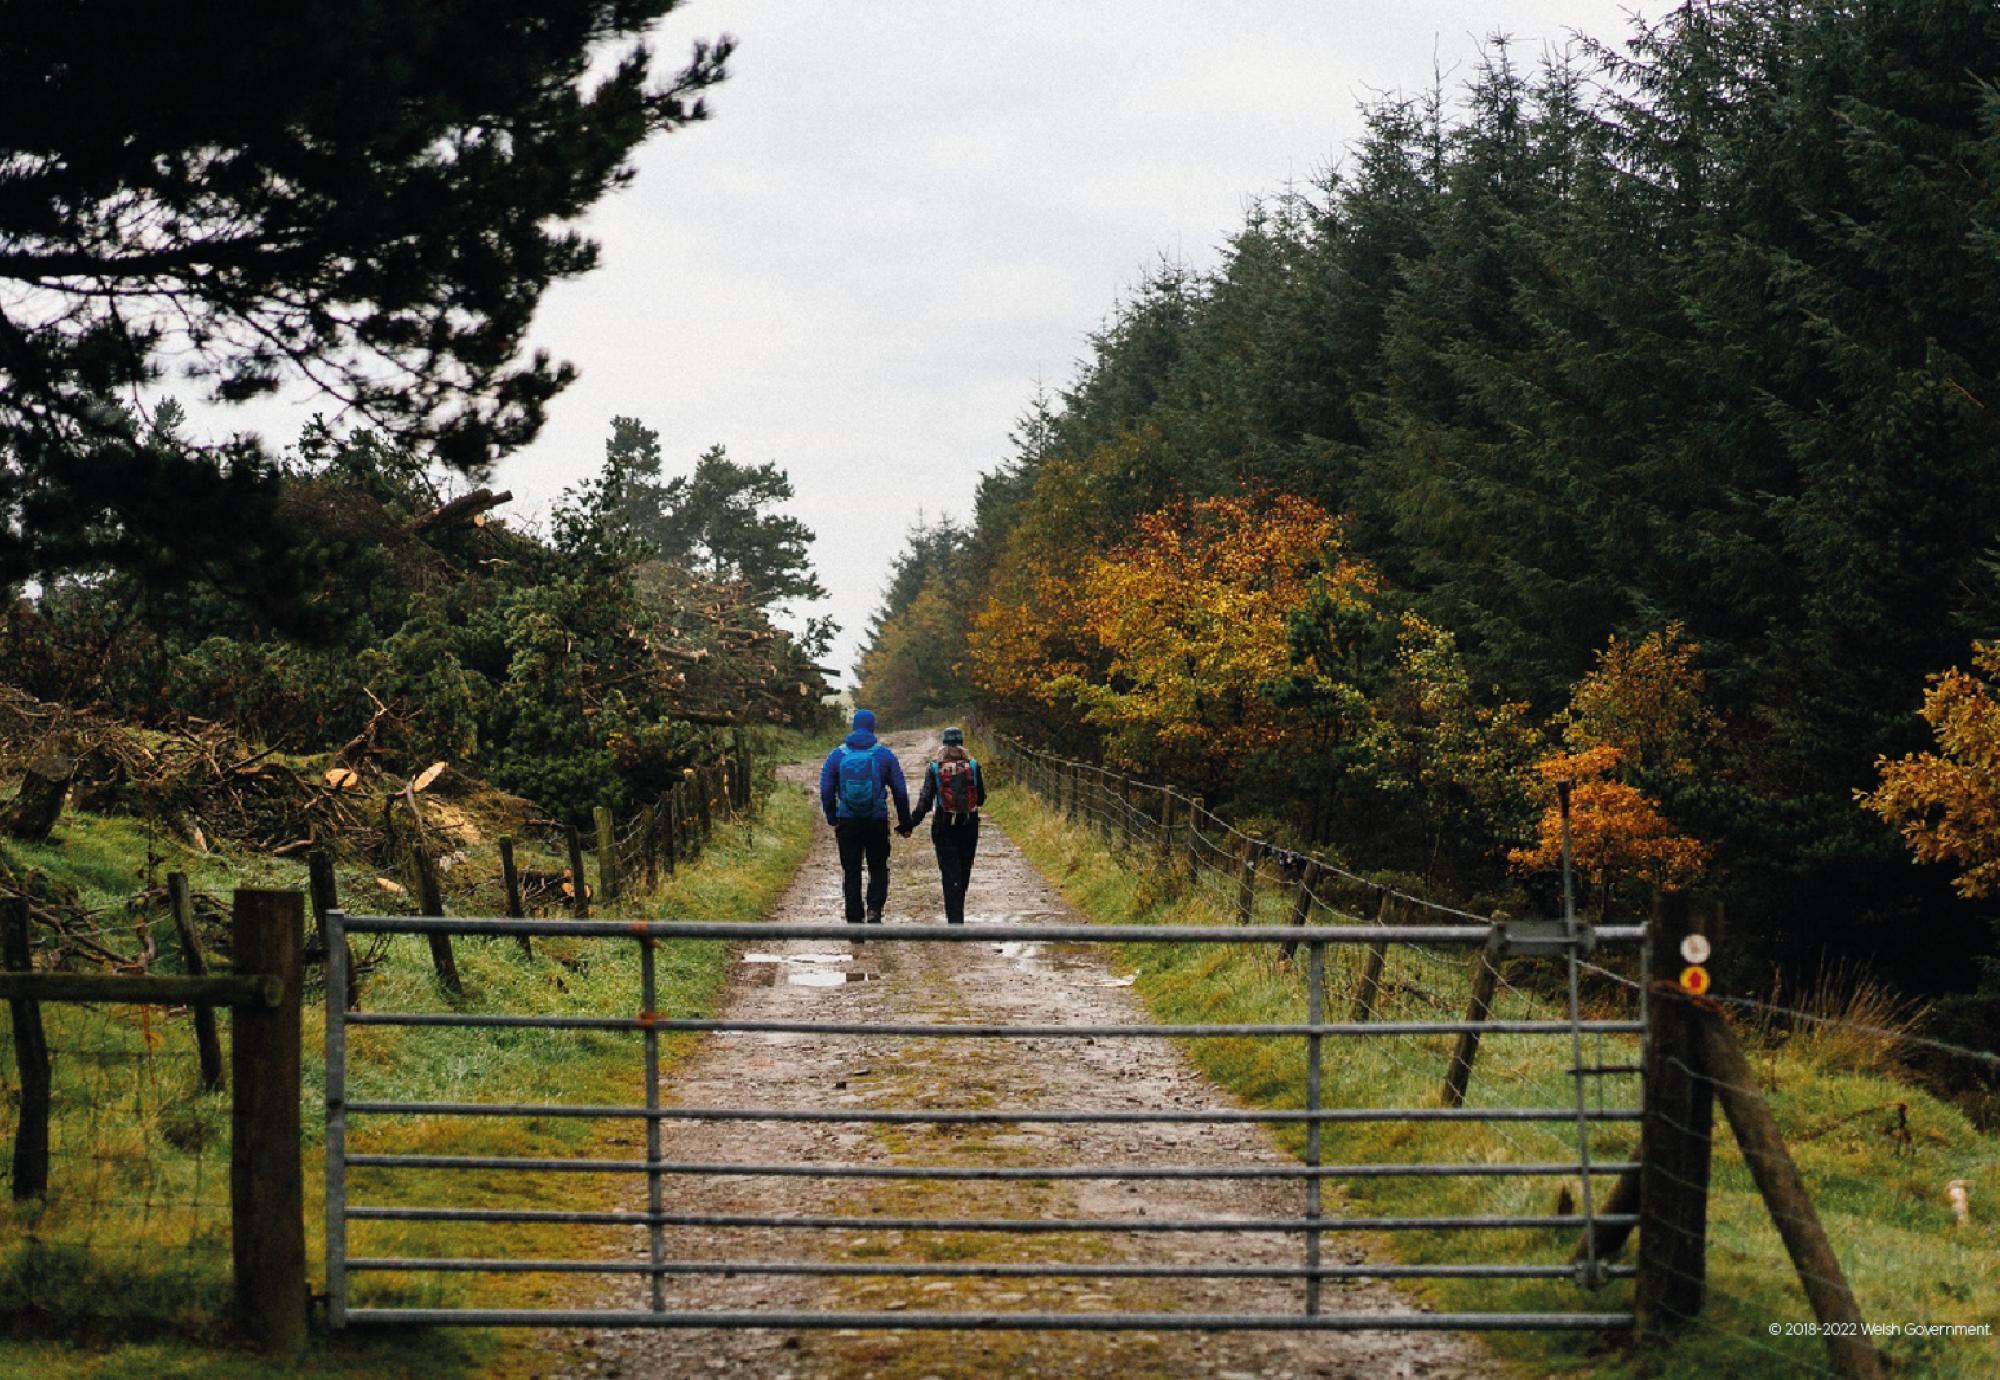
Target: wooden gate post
(266, 1183)
(208, 1047)
(510, 880)
(607, 852)
(1677, 1122)
(31, 1054)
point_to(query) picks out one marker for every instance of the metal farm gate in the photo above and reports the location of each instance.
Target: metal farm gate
(1562, 944)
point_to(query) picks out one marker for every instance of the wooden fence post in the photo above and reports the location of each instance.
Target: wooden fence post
(1246, 883)
(704, 806)
(325, 893)
(607, 852)
(1484, 980)
(31, 1055)
(266, 1188)
(1194, 839)
(1777, 1178)
(430, 901)
(208, 1047)
(670, 836)
(649, 842)
(1166, 825)
(579, 890)
(510, 879)
(1302, 901)
(1678, 1119)
(1370, 990)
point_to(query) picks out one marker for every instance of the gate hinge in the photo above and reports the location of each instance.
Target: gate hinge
(1539, 939)
(1590, 1274)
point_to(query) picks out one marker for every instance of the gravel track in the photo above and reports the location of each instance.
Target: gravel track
(998, 981)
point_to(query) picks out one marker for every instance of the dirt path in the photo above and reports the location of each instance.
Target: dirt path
(1000, 981)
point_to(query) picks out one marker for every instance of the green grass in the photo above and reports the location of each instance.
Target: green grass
(1883, 1202)
(125, 1270)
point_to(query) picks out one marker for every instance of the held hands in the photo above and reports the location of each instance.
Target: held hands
(905, 830)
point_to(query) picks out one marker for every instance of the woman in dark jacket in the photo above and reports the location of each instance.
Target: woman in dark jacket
(955, 789)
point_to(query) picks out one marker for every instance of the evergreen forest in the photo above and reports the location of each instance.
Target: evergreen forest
(1624, 415)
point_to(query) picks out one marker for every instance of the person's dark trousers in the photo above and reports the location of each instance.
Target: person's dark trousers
(859, 840)
(956, 845)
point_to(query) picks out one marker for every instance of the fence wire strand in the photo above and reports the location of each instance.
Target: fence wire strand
(1235, 874)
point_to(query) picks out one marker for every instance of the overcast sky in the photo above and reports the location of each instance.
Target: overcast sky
(902, 215)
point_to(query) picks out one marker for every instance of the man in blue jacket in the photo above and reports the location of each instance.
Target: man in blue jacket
(854, 784)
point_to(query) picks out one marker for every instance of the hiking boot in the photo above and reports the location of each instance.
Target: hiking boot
(874, 915)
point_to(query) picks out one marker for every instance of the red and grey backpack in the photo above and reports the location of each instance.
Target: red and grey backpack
(958, 791)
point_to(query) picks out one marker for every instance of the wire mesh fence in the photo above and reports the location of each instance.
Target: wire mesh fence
(133, 1227)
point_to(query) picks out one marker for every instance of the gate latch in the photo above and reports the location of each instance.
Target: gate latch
(1539, 939)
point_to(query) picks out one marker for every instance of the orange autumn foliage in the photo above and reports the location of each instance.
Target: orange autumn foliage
(1946, 803)
(1616, 831)
(1167, 642)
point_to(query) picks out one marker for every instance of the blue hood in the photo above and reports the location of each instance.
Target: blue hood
(859, 740)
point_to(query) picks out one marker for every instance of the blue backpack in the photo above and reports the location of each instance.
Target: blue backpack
(860, 783)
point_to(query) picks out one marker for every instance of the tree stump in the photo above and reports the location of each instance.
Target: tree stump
(31, 816)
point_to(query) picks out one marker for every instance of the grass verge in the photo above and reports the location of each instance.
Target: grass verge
(124, 1271)
(1881, 1196)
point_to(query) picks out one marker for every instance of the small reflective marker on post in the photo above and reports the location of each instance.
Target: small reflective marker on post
(1694, 979)
(1695, 948)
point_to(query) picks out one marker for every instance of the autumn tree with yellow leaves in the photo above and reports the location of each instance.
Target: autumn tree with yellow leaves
(1946, 803)
(1638, 727)
(1167, 643)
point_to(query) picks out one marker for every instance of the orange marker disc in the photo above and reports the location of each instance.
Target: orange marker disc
(1694, 979)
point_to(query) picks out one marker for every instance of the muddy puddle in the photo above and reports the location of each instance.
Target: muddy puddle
(806, 970)
(1073, 962)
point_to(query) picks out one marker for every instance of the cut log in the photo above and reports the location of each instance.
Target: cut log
(462, 509)
(32, 814)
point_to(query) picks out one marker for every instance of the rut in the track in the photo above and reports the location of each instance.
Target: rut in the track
(989, 982)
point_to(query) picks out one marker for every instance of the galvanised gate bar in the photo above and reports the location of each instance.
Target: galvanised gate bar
(1564, 941)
